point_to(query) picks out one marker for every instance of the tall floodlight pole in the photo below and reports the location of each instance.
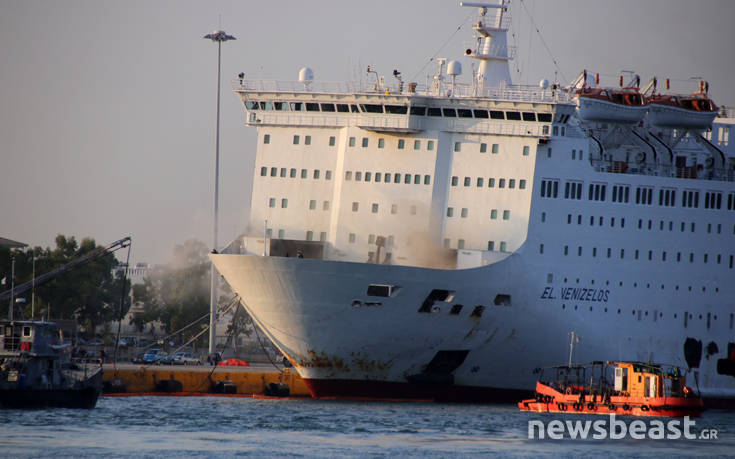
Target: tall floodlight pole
(217, 36)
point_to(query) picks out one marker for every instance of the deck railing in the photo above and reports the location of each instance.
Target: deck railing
(442, 89)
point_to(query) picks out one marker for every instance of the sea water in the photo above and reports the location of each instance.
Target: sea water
(228, 427)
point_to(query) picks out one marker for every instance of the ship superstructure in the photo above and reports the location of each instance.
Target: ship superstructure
(439, 240)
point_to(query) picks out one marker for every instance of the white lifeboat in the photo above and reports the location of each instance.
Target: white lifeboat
(696, 111)
(626, 105)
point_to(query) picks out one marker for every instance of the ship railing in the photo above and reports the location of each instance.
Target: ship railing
(440, 89)
(404, 122)
(662, 170)
(726, 112)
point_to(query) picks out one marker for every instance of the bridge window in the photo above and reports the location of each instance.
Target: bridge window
(464, 113)
(481, 113)
(529, 116)
(416, 110)
(497, 115)
(514, 116)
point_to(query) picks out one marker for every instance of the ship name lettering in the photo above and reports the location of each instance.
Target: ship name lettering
(577, 294)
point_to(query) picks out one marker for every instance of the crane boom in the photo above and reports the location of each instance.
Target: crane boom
(21, 288)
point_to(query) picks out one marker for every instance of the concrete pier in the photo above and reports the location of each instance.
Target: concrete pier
(252, 380)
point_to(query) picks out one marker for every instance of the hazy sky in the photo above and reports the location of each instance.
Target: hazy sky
(107, 108)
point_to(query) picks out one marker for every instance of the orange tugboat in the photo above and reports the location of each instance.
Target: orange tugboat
(637, 389)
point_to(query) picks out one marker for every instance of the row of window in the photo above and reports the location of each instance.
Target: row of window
(643, 194)
(501, 246)
(401, 109)
(480, 182)
(400, 144)
(293, 173)
(387, 177)
(661, 226)
(660, 315)
(663, 256)
(464, 213)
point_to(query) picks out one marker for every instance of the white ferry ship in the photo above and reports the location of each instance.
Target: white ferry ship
(442, 240)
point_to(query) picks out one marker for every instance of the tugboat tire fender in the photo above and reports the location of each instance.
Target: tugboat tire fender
(590, 406)
(626, 407)
(645, 407)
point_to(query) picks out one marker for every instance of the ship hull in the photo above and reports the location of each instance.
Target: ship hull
(51, 398)
(347, 344)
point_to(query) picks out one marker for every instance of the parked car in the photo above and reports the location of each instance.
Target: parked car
(138, 358)
(154, 356)
(185, 358)
(95, 342)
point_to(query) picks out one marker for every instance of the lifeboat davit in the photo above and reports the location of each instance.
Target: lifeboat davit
(696, 111)
(626, 105)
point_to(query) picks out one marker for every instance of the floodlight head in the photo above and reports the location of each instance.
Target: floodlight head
(219, 36)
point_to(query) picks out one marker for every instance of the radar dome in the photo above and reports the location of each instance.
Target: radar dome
(454, 68)
(543, 84)
(306, 75)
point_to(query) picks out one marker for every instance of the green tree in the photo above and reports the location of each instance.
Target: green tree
(89, 292)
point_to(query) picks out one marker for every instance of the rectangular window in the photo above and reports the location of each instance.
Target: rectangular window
(292, 173)
(263, 171)
(274, 172)
(328, 175)
(401, 144)
(483, 148)
(417, 145)
(526, 150)
(407, 179)
(325, 205)
(378, 177)
(283, 172)
(503, 246)
(493, 214)
(495, 148)
(511, 183)
(364, 142)
(491, 182)
(323, 236)
(522, 184)
(312, 204)
(427, 180)
(368, 176)
(381, 143)
(460, 244)
(430, 145)
(332, 141)
(316, 173)
(467, 181)
(501, 183)
(455, 180)
(352, 238)
(272, 202)
(281, 234)
(416, 179)
(355, 206)
(284, 203)
(506, 215)
(358, 176)
(309, 235)
(457, 146)
(371, 239)
(480, 182)
(375, 208)
(352, 141)
(304, 173)
(491, 245)
(464, 212)
(387, 177)
(348, 175)
(393, 209)
(267, 138)
(307, 140)
(295, 140)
